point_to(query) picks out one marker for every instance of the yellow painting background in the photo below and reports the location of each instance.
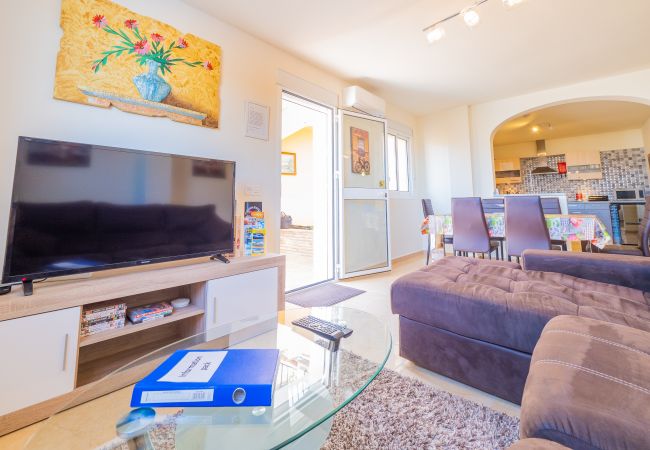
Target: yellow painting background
(193, 88)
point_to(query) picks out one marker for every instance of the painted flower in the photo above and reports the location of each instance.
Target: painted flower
(99, 21)
(157, 37)
(142, 47)
(208, 65)
(182, 43)
(95, 67)
(131, 24)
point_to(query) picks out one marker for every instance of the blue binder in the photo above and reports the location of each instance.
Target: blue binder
(209, 378)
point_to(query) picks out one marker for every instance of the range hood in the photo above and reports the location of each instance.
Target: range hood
(541, 164)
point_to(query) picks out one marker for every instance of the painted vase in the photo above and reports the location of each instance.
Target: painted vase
(150, 85)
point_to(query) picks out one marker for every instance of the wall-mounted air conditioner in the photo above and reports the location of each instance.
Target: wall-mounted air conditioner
(358, 98)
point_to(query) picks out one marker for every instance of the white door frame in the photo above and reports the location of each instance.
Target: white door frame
(359, 194)
(332, 207)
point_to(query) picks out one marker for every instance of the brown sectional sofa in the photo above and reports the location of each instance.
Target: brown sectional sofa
(537, 444)
(583, 320)
(589, 386)
(478, 321)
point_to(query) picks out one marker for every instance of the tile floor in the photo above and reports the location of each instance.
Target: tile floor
(375, 300)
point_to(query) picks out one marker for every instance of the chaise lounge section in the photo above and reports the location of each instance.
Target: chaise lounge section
(589, 386)
(478, 321)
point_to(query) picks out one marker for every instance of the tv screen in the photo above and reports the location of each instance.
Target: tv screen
(81, 208)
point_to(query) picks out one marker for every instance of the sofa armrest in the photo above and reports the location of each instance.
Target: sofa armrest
(621, 270)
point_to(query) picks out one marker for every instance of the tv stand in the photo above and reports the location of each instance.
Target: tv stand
(28, 287)
(228, 302)
(221, 258)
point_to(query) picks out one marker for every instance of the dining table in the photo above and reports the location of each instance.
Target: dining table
(561, 227)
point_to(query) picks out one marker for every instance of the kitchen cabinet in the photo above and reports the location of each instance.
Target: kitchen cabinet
(507, 171)
(39, 357)
(583, 165)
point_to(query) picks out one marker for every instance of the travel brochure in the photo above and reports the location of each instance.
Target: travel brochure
(254, 229)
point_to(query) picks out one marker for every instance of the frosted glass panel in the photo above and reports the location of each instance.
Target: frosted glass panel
(366, 240)
(363, 153)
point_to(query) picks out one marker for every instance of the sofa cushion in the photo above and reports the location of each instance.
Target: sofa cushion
(498, 302)
(537, 444)
(588, 386)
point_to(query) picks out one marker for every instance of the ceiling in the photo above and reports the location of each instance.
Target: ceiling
(573, 119)
(379, 44)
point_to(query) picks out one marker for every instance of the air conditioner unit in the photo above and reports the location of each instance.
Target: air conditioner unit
(358, 98)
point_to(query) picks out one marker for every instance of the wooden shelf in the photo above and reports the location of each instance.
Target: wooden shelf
(113, 284)
(180, 314)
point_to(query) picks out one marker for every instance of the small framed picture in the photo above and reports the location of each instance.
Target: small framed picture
(360, 151)
(288, 163)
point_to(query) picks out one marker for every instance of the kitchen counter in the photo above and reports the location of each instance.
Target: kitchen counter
(615, 202)
(628, 202)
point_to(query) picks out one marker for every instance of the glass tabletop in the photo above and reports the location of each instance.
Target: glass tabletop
(313, 382)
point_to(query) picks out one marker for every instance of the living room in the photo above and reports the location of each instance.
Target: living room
(161, 125)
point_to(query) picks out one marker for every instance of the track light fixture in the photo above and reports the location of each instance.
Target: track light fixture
(436, 32)
(471, 18)
(511, 3)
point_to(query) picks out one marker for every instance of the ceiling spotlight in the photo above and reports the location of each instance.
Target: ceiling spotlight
(471, 18)
(511, 3)
(535, 129)
(435, 34)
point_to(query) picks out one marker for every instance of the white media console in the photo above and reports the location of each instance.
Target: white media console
(46, 363)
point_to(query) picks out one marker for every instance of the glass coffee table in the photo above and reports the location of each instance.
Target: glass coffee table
(313, 382)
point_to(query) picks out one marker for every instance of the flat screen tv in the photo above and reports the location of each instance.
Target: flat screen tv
(82, 208)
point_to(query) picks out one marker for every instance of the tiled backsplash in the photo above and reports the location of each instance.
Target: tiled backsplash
(621, 169)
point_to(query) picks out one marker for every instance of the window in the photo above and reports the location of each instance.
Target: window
(398, 163)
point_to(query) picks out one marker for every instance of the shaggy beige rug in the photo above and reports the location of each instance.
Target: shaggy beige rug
(400, 413)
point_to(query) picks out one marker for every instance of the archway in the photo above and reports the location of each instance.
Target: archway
(585, 149)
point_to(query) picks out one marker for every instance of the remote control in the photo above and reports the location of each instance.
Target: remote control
(323, 328)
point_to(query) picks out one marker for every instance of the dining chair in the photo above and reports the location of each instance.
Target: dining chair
(525, 226)
(551, 205)
(494, 205)
(642, 248)
(470, 228)
(427, 210)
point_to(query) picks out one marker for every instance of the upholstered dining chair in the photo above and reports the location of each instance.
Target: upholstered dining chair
(525, 225)
(427, 210)
(551, 205)
(470, 228)
(642, 248)
(495, 205)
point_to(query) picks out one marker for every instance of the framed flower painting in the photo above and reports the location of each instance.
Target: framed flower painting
(111, 56)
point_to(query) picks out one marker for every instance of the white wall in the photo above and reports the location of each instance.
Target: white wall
(250, 69)
(250, 72)
(445, 140)
(600, 142)
(486, 117)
